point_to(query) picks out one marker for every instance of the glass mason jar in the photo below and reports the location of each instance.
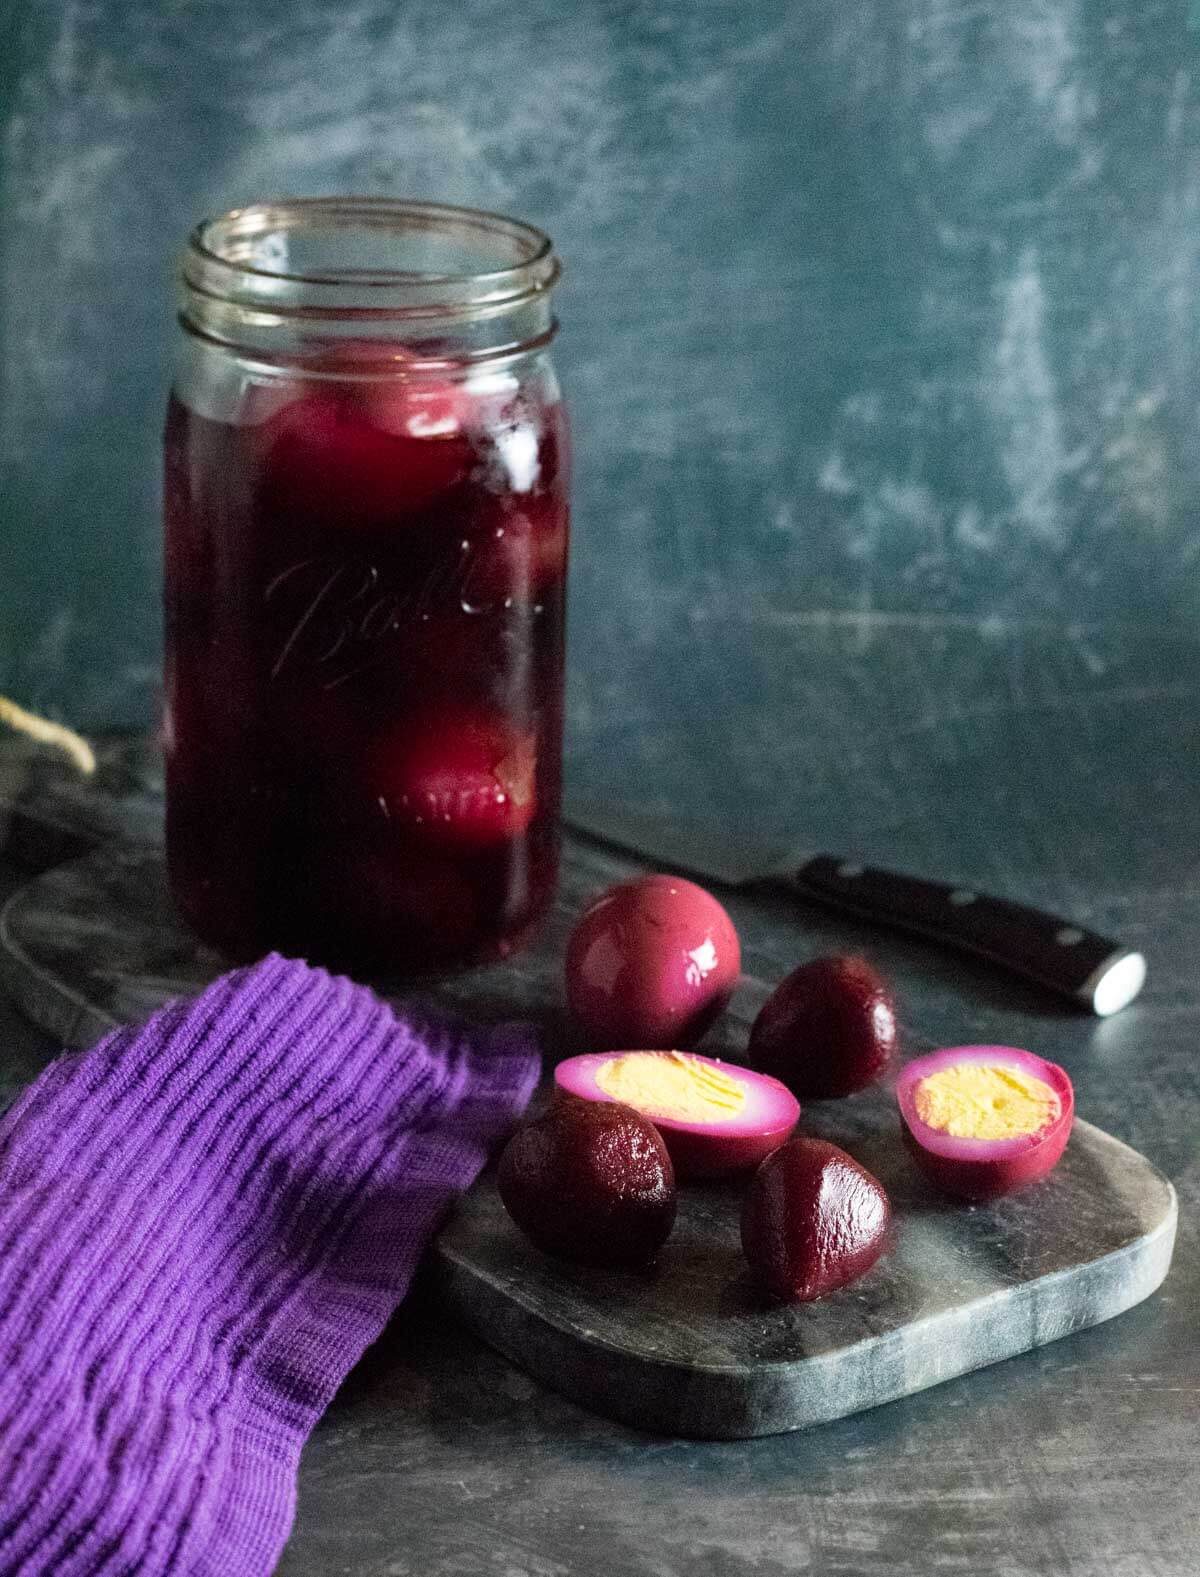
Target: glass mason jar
(365, 560)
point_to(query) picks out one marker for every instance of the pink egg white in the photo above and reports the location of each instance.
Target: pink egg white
(983, 1168)
(728, 1119)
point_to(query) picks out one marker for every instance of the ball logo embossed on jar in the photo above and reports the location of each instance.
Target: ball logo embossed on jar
(339, 615)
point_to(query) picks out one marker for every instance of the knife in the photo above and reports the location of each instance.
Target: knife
(1091, 970)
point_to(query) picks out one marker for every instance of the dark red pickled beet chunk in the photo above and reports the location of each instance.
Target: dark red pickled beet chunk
(590, 1182)
(326, 461)
(813, 1220)
(827, 1030)
(457, 776)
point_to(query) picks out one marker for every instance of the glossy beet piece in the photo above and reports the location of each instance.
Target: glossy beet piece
(980, 1169)
(651, 963)
(813, 1220)
(828, 1029)
(590, 1182)
(724, 1143)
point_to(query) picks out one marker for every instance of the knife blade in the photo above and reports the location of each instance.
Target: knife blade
(1090, 970)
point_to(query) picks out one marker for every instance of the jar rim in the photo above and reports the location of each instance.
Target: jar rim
(228, 259)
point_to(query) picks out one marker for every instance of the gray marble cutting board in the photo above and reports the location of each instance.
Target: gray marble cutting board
(690, 1348)
(693, 1348)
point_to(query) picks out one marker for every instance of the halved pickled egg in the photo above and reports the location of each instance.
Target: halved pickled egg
(984, 1120)
(716, 1118)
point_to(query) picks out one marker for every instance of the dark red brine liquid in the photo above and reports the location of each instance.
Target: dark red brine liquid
(364, 597)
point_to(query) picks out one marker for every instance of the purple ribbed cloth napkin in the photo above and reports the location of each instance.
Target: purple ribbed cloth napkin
(203, 1223)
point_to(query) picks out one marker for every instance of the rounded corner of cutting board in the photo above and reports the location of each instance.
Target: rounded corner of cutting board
(513, 1300)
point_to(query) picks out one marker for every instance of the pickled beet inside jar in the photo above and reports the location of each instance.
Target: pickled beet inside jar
(366, 551)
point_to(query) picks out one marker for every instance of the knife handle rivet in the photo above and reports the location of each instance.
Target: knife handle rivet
(1068, 936)
(849, 869)
(962, 896)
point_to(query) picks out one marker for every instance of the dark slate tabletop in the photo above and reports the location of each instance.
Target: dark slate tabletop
(1055, 766)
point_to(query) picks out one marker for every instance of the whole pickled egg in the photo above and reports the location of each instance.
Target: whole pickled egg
(651, 963)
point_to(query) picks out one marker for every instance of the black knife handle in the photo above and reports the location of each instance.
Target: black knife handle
(1092, 970)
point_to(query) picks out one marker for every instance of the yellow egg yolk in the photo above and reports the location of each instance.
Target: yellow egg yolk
(976, 1100)
(671, 1084)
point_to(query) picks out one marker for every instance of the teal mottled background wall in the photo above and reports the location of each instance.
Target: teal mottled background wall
(874, 311)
